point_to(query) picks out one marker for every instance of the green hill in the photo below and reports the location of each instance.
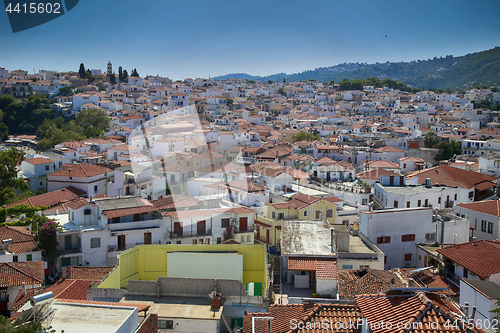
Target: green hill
(481, 68)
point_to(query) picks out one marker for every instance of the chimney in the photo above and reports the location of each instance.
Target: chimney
(466, 308)
(474, 240)
(473, 312)
(23, 289)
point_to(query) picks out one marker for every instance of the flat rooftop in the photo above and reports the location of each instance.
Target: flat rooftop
(418, 189)
(85, 318)
(177, 307)
(306, 238)
(356, 245)
(306, 190)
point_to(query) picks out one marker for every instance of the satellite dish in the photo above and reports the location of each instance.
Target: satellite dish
(22, 216)
(212, 294)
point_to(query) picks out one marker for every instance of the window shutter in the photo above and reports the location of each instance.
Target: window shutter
(413, 237)
(379, 240)
(402, 238)
(388, 239)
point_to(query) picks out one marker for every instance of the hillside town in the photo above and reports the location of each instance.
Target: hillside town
(235, 205)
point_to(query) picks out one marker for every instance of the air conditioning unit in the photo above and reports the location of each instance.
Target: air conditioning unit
(113, 234)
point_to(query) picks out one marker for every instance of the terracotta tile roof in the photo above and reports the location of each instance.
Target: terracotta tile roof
(481, 257)
(410, 308)
(354, 282)
(88, 273)
(312, 315)
(15, 273)
(447, 175)
(129, 211)
(301, 264)
(490, 207)
(77, 290)
(327, 269)
(52, 198)
(383, 164)
(389, 149)
(82, 170)
(38, 161)
(22, 239)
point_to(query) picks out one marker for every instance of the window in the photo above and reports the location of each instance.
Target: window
(426, 203)
(95, 243)
(466, 273)
(121, 242)
(166, 324)
(224, 223)
(346, 266)
(404, 165)
(385, 259)
(408, 257)
(439, 200)
(248, 239)
(95, 188)
(471, 194)
(396, 204)
(281, 216)
(274, 215)
(455, 197)
(305, 213)
(179, 242)
(407, 204)
(147, 238)
(15, 259)
(318, 215)
(490, 228)
(329, 213)
(408, 238)
(29, 257)
(195, 241)
(47, 167)
(419, 204)
(483, 226)
(72, 215)
(383, 239)
(430, 237)
(219, 240)
(41, 183)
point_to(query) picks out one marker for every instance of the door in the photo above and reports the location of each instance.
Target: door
(258, 232)
(67, 242)
(121, 242)
(147, 238)
(178, 228)
(200, 227)
(267, 235)
(243, 223)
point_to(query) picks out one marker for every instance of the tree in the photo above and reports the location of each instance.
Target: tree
(229, 102)
(82, 71)
(66, 91)
(448, 149)
(92, 118)
(125, 75)
(47, 240)
(134, 73)
(120, 74)
(305, 136)
(282, 92)
(112, 79)
(430, 139)
(9, 181)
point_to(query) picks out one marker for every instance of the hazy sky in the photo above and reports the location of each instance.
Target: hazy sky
(195, 38)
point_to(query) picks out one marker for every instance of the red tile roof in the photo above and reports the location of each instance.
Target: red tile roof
(88, 273)
(52, 198)
(490, 207)
(17, 273)
(389, 149)
(301, 264)
(311, 315)
(354, 282)
(38, 161)
(82, 170)
(129, 211)
(481, 257)
(22, 239)
(140, 306)
(450, 176)
(420, 310)
(375, 173)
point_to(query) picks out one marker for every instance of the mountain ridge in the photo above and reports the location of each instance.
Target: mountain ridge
(479, 68)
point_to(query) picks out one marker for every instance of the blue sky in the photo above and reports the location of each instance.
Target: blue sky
(196, 38)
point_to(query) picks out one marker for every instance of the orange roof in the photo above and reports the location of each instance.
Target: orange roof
(84, 170)
(88, 273)
(38, 160)
(16, 273)
(490, 207)
(52, 198)
(481, 257)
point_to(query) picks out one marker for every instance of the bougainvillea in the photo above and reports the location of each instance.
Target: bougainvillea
(47, 240)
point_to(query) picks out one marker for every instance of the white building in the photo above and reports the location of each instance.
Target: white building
(483, 217)
(89, 178)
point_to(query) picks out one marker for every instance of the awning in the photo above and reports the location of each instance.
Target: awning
(485, 185)
(261, 224)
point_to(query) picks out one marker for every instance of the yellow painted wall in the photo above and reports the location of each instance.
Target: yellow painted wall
(322, 206)
(148, 262)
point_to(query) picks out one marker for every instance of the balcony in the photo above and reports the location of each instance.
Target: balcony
(188, 233)
(451, 276)
(448, 204)
(70, 251)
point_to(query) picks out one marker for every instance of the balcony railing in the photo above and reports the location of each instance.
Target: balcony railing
(190, 233)
(70, 251)
(451, 276)
(448, 204)
(116, 248)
